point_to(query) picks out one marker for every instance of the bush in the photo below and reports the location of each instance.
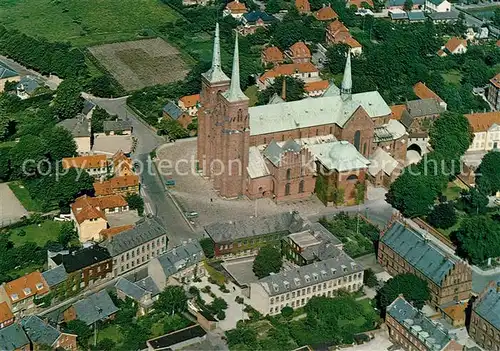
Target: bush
(443, 216)
(369, 278)
(287, 312)
(239, 300)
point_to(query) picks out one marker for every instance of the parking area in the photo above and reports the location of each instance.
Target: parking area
(122, 218)
(241, 270)
(11, 209)
(381, 342)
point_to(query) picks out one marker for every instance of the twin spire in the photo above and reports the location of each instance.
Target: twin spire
(346, 87)
(215, 73)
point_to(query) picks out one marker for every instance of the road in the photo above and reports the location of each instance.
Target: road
(157, 200)
(475, 22)
(52, 82)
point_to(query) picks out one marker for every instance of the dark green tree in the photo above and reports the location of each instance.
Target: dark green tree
(104, 344)
(172, 128)
(294, 90)
(474, 202)
(81, 329)
(60, 143)
(451, 135)
(267, 261)
(67, 233)
(408, 5)
(414, 290)
(98, 117)
(369, 278)
(273, 6)
(172, 300)
(68, 101)
(287, 311)
(135, 202)
(488, 173)
(242, 335)
(478, 239)
(208, 247)
(27, 155)
(496, 17)
(102, 86)
(443, 216)
(336, 56)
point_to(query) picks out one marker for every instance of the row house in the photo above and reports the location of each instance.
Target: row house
(121, 185)
(494, 92)
(117, 127)
(484, 325)
(306, 72)
(96, 166)
(145, 292)
(98, 307)
(299, 53)
(338, 33)
(43, 335)
(486, 128)
(21, 294)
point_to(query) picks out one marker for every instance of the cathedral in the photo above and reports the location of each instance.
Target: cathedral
(329, 145)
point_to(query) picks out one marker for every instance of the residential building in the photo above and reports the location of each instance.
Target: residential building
(190, 104)
(306, 72)
(245, 237)
(494, 92)
(295, 287)
(383, 169)
(486, 128)
(454, 46)
(6, 316)
(299, 53)
(437, 5)
(178, 340)
(20, 294)
(44, 335)
(359, 4)
(400, 4)
(484, 325)
(177, 266)
(410, 329)
(134, 247)
(79, 127)
(96, 166)
(13, 338)
(316, 89)
(109, 232)
(415, 16)
(123, 185)
(254, 20)
(398, 15)
(118, 127)
(314, 244)
(27, 87)
(84, 268)
(272, 55)
(122, 165)
(443, 17)
(144, 292)
(173, 112)
(56, 276)
(326, 13)
(419, 116)
(303, 6)
(423, 92)
(94, 308)
(235, 9)
(403, 250)
(338, 33)
(7, 74)
(89, 214)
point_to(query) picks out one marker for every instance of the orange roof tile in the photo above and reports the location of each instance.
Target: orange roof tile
(85, 162)
(336, 27)
(236, 7)
(326, 14)
(190, 100)
(441, 53)
(5, 312)
(303, 6)
(397, 111)
(122, 164)
(353, 43)
(481, 122)
(29, 285)
(423, 92)
(300, 50)
(272, 54)
(359, 3)
(456, 312)
(498, 43)
(108, 233)
(454, 43)
(288, 70)
(85, 207)
(108, 187)
(496, 80)
(316, 86)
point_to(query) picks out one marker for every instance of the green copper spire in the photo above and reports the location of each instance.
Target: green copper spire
(215, 73)
(234, 93)
(346, 88)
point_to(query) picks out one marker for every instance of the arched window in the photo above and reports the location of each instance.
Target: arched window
(352, 178)
(301, 186)
(357, 139)
(287, 189)
(364, 149)
(288, 174)
(240, 115)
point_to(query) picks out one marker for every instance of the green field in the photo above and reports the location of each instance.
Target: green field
(48, 230)
(452, 76)
(24, 197)
(85, 22)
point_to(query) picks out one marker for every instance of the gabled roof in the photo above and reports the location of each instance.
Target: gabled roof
(28, 83)
(39, 332)
(320, 85)
(78, 126)
(5, 312)
(190, 100)
(87, 106)
(108, 187)
(336, 27)
(436, 2)
(381, 160)
(272, 54)
(86, 208)
(488, 306)
(27, 286)
(131, 289)
(55, 275)
(82, 258)
(496, 80)
(116, 126)
(288, 70)
(173, 110)
(303, 5)
(392, 3)
(397, 111)
(453, 43)
(109, 232)
(7, 72)
(481, 122)
(236, 6)
(424, 107)
(300, 50)
(254, 16)
(85, 162)
(443, 16)
(95, 307)
(326, 13)
(13, 338)
(273, 152)
(423, 92)
(416, 15)
(341, 156)
(180, 257)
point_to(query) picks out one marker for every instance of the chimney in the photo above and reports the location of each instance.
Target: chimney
(498, 288)
(283, 89)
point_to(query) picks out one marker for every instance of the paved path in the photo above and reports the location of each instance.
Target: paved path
(11, 209)
(52, 82)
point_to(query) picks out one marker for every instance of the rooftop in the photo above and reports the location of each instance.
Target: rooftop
(110, 144)
(274, 152)
(190, 100)
(496, 80)
(78, 126)
(254, 16)
(13, 338)
(85, 207)
(27, 286)
(172, 110)
(488, 306)
(272, 53)
(381, 160)
(397, 111)
(7, 72)
(392, 130)
(55, 276)
(443, 16)
(85, 162)
(109, 232)
(116, 126)
(183, 335)
(39, 332)
(339, 155)
(416, 15)
(316, 86)
(95, 307)
(108, 187)
(180, 257)
(300, 50)
(453, 43)
(481, 122)
(288, 70)
(423, 92)
(317, 243)
(82, 258)
(325, 13)
(5, 312)
(392, 3)
(132, 290)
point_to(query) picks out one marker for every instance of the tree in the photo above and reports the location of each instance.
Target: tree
(104, 344)
(242, 335)
(336, 56)
(60, 143)
(102, 86)
(369, 278)
(81, 329)
(294, 90)
(26, 156)
(443, 216)
(98, 117)
(496, 17)
(474, 202)
(451, 135)
(273, 6)
(67, 233)
(488, 175)
(408, 5)
(135, 202)
(287, 311)
(68, 101)
(208, 247)
(267, 261)
(478, 239)
(414, 290)
(172, 128)
(171, 300)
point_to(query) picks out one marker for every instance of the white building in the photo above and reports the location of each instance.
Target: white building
(437, 5)
(486, 127)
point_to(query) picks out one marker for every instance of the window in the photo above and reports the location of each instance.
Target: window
(364, 149)
(240, 115)
(301, 186)
(287, 189)
(288, 174)
(357, 139)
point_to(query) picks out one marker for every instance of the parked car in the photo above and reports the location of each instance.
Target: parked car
(191, 214)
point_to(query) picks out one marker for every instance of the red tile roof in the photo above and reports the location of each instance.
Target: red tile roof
(272, 54)
(86, 208)
(29, 285)
(190, 100)
(108, 187)
(423, 92)
(481, 122)
(326, 14)
(300, 50)
(108, 233)
(303, 6)
(397, 111)
(454, 43)
(85, 162)
(5, 312)
(316, 86)
(496, 80)
(236, 7)
(288, 70)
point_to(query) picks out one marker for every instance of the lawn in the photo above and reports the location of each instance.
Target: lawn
(7, 144)
(84, 22)
(47, 230)
(452, 192)
(24, 197)
(251, 92)
(447, 232)
(110, 332)
(452, 76)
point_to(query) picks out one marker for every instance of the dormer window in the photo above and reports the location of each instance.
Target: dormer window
(276, 287)
(27, 291)
(308, 278)
(39, 286)
(323, 274)
(14, 297)
(344, 268)
(297, 281)
(334, 271)
(315, 276)
(286, 284)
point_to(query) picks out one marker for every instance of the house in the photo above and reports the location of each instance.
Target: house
(89, 214)
(314, 244)
(13, 338)
(178, 340)
(144, 292)
(415, 16)
(299, 53)
(122, 165)
(410, 329)
(397, 111)
(134, 247)
(454, 46)
(20, 294)
(398, 15)
(303, 71)
(55, 276)
(96, 166)
(494, 92)
(400, 4)
(251, 21)
(177, 266)
(6, 316)
(190, 104)
(173, 112)
(27, 87)
(44, 335)
(443, 17)
(295, 287)
(272, 55)
(7, 74)
(94, 308)
(245, 237)
(423, 92)
(403, 250)
(117, 127)
(338, 33)
(383, 168)
(318, 88)
(326, 13)
(303, 6)
(419, 115)
(359, 4)
(486, 128)
(84, 268)
(88, 109)
(235, 9)
(437, 5)
(79, 127)
(121, 185)
(484, 325)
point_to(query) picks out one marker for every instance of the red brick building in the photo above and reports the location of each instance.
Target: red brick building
(272, 55)
(299, 53)
(485, 323)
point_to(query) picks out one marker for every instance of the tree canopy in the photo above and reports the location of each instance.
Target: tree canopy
(294, 90)
(68, 101)
(478, 239)
(414, 290)
(267, 261)
(488, 173)
(443, 216)
(172, 300)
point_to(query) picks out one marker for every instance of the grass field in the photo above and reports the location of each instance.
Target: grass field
(452, 76)
(48, 230)
(84, 22)
(110, 332)
(24, 197)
